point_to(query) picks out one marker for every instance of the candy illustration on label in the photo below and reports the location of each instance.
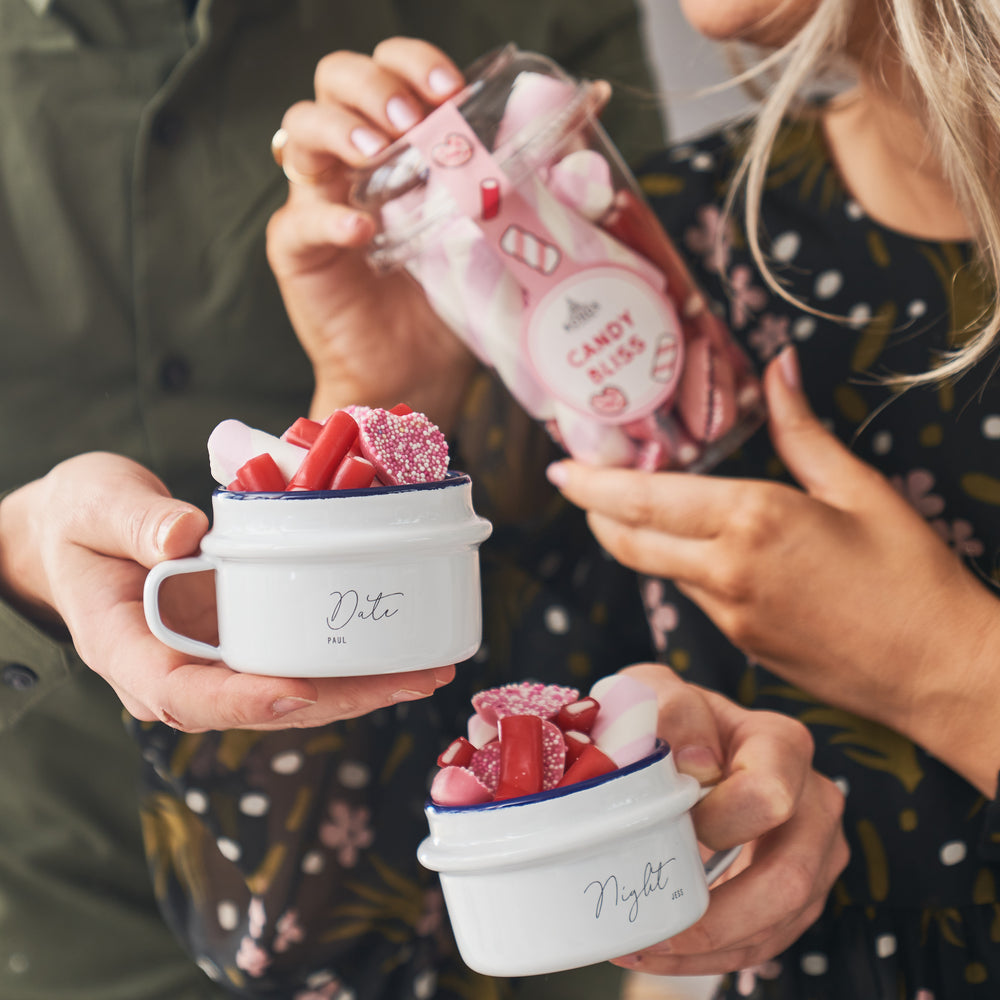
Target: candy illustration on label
(529, 249)
(453, 151)
(489, 194)
(610, 401)
(665, 358)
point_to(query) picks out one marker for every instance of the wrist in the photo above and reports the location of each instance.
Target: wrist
(952, 714)
(20, 564)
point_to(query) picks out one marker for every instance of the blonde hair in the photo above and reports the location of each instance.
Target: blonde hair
(950, 51)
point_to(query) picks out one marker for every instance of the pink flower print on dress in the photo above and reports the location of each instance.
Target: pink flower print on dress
(251, 958)
(347, 832)
(746, 979)
(958, 535)
(661, 615)
(710, 239)
(289, 931)
(916, 489)
(770, 336)
(744, 298)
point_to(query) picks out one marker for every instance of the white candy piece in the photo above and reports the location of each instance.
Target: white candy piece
(625, 728)
(232, 444)
(591, 441)
(480, 732)
(582, 181)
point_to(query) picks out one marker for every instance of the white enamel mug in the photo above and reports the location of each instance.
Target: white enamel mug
(572, 876)
(338, 583)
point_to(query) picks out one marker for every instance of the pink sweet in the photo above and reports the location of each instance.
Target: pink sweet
(458, 786)
(404, 448)
(625, 728)
(528, 698)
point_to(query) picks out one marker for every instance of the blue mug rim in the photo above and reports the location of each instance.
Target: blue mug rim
(661, 751)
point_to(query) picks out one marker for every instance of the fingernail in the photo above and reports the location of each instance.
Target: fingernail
(630, 960)
(698, 762)
(442, 677)
(366, 142)
(788, 360)
(442, 81)
(166, 526)
(405, 694)
(351, 223)
(283, 706)
(401, 114)
(557, 474)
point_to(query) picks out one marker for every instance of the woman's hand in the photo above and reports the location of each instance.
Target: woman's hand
(840, 587)
(766, 796)
(371, 339)
(75, 547)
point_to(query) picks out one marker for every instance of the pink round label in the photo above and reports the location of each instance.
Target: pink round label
(607, 344)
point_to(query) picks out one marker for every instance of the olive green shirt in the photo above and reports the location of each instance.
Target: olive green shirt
(136, 312)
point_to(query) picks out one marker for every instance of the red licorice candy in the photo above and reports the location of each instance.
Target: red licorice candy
(331, 445)
(353, 473)
(578, 715)
(261, 475)
(591, 763)
(520, 756)
(458, 753)
(303, 432)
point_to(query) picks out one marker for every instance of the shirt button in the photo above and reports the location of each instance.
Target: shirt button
(167, 129)
(18, 676)
(175, 374)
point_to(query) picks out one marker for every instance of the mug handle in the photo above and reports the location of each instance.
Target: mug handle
(718, 862)
(151, 606)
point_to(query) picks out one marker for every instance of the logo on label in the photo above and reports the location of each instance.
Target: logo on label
(578, 312)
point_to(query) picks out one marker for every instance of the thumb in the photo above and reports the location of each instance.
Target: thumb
(685, 721)
(817, 460)
(125, 511)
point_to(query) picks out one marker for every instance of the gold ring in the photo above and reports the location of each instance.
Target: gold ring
(278, 141)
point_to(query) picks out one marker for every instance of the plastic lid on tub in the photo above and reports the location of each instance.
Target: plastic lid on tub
(521, 106)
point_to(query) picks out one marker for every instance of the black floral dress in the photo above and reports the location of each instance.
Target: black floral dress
(915, 916)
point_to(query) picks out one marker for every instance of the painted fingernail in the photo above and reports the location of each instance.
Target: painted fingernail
(401, 114)
(442, 81)
(366, 142)
(788, 359)
(283, 706)
(557, 474)
(442, 677)
(405, 694)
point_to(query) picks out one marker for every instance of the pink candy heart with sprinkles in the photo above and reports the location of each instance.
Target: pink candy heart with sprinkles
(404, 449)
